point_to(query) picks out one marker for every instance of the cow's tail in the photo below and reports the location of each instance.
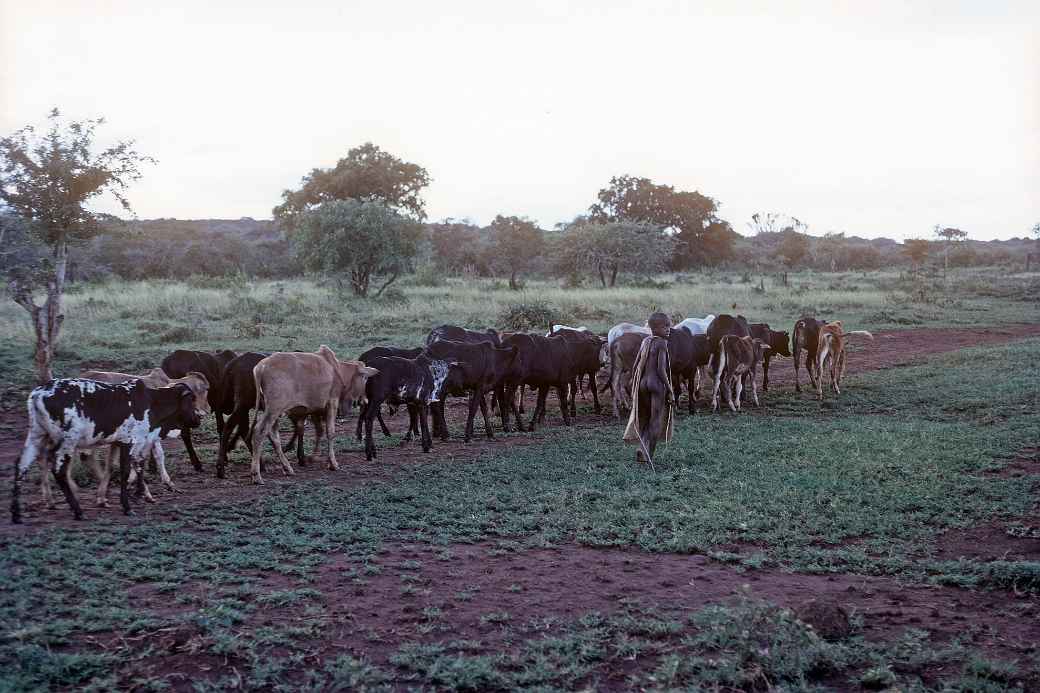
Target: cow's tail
(259, 404)
(858, 333)
(16, 507)
(610, 380)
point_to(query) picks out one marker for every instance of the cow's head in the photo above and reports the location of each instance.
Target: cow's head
(199, 386)
(186, 408)
(760, 349)
(354, 375)
(780, 343)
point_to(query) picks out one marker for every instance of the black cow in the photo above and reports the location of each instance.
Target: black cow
(481, 369)
(687, 353)
(451, 333)
(239, 389)
(585, 350)
(806, 335)
(779, 344)
(544, 362)
(380, 352)
(415, 383)
(180, 363)
(71, 414)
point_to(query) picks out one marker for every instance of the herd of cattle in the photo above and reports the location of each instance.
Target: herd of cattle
(130, 415)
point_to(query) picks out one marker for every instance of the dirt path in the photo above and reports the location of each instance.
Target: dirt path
(890, 349)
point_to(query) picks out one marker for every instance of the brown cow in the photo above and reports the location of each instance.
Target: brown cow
(623, 353)
(307, 384)
(832, 350)
(735, 361)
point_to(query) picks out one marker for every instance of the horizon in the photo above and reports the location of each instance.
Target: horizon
(878, 122)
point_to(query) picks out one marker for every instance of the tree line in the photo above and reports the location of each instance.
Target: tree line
(365, 220)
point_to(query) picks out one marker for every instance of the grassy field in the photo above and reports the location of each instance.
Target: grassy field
(383, 582)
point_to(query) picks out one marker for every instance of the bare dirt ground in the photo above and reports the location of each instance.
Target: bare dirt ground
(370, 619)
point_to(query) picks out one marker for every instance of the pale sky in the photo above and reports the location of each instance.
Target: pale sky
(874, 118)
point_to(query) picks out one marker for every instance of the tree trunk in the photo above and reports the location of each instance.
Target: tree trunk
(48, 318)
(603, 277)
(388, 283)
(359, 282)
(613, 276)
(512, 281)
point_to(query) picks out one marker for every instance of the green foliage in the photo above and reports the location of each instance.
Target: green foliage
(361, 238)
(366, 173)
(605, 249)
(522, 317)
(516, 245)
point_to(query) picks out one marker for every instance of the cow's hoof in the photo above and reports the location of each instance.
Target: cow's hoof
(258, 481)
(333, 466)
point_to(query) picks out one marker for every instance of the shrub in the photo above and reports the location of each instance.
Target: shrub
(526, 316)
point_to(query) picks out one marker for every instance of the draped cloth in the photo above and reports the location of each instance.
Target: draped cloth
(633, 434)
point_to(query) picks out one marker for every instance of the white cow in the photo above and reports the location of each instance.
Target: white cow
(697, 325)
(625, 328)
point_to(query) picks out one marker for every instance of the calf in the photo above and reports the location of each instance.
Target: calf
(651, 418)
(72, 414)
(412, 382)
(542, 363)
(735, 362)
(779, 345)
(378, 352)
(806, 337)
(623, 354)
(239, 389)
(832, 351)
(482, 367)
(180, 363)
(311, 383)
(585, 352)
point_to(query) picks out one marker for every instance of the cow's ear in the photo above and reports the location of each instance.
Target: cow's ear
(368, 371)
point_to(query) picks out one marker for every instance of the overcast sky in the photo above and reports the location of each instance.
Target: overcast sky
(874, 118)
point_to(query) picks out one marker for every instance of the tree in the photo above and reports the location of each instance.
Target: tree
(48, 180)
(917, 250)
(458, 246)
(775, 222)
(715, 245)
(367, 172)
(362, 238)
(833, 247)
(1036, 234)
(793, 248)
(686, 214)
(948, 236)
(613, 247)
(516, 243)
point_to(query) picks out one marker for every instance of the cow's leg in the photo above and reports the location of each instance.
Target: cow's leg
(717, 374)
(440, 424)
(59, 468)
(487, 421)
(562, 394)
(298, 426)
(359, 433)
(124, 478)
(733, 388)
(797, 355)
(382, 424)
(160, 458)
(765, 377)
(192, 455)
(841, 370)
(413, 422)
(472, 413)
(521, 407)
(595, 393)
(543, 393)
(261, 430)
(573, 387)
(232, 432)
(102, 472)
(370, 444)
(330, 433)
(424, 430)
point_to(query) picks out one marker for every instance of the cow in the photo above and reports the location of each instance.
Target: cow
(832, 351)
(585, 349)
(623, 353)
(686, 353)
(696, 326)
(625, 328)
(651, 418)
(451, 333)
(239, 388)
(180, 363)
(414, 383)
(155, 378)
(806, 337)
(68, 415)
(309, 383)
(542, 363)
(379, 352)
(482, 367)
(735, 362)
(779, 345)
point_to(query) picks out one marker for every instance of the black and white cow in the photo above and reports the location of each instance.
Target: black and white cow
(70, 415)
(415, 383)
(383, 351)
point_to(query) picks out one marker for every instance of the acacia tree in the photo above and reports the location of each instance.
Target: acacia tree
(686, 214)
(948, 236)
(361, 238)
(775, 222)
(917, 250)
(793, 249)
(613, 247)
(366, 172)
(48, 179)
(516, 243)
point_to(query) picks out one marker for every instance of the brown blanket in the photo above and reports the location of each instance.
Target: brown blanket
(632, 432)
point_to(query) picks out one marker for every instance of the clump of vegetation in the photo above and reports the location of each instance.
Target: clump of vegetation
(527, 316)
